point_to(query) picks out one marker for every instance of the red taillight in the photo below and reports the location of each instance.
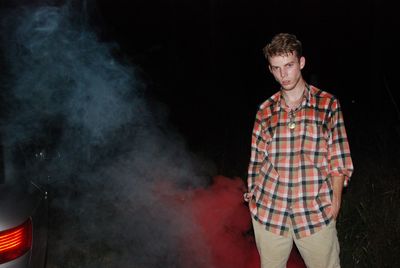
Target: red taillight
(15, 242)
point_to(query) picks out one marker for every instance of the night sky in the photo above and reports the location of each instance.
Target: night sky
(203, 60)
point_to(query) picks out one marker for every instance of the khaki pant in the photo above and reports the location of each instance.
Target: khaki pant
(320, 250)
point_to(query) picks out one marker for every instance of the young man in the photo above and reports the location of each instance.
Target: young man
(300, 161)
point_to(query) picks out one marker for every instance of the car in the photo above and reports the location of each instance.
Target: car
(23, 224)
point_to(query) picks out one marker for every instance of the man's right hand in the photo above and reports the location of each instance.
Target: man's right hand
(247, 196)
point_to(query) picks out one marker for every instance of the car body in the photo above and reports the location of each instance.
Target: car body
(23, 225)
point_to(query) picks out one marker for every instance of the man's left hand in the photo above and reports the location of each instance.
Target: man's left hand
(337, 185)
(336, 202)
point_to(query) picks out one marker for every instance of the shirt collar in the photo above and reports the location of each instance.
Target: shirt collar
(309, 99)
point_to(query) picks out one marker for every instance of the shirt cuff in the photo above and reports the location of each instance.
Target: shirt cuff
(341, 173)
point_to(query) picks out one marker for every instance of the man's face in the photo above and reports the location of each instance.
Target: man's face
(287, 70)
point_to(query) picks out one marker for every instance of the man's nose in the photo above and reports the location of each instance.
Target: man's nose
(283, 73)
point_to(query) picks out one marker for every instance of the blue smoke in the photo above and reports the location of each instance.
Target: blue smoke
(61, 69)
(74, 121)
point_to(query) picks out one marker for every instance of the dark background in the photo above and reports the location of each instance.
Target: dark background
(204, 60)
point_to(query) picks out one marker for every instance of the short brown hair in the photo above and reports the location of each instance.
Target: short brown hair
(283, 44)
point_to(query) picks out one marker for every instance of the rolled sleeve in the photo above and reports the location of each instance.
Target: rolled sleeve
(257, 152)
(340, 162)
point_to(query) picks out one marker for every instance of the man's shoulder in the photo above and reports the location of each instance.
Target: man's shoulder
(268, 107)
(270, 102)
(322, 99)
(321, 94)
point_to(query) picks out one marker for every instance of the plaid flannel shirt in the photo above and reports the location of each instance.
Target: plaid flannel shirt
(290, 170)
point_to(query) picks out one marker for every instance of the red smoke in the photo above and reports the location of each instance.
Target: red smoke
(224, 223)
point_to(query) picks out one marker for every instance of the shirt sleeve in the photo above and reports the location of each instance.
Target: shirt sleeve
(258, 143)
(339, 159)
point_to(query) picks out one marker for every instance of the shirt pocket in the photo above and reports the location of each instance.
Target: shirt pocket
(315, 143)
(263, 143)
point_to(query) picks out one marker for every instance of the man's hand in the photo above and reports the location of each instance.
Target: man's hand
(336, 206)
(337, 185)
(247, 197)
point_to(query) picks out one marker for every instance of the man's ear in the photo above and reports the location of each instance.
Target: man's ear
(302, 62)
(269, 68)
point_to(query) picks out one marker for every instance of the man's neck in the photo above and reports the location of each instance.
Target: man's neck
(292, 96)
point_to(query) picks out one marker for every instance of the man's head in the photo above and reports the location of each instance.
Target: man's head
(285, 61)
(283, 44)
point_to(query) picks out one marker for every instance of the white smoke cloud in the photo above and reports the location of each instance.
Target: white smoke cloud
(104, 153)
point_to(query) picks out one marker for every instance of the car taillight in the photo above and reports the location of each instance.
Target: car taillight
(15, 242)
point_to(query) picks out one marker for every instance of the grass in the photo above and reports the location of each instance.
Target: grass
(369, 223)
